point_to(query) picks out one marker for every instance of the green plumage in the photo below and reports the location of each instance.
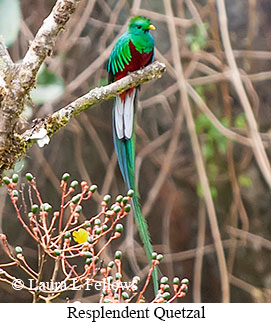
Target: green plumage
(120, 55)
(133, 50)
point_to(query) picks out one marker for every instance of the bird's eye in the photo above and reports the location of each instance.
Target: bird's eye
(138, 27)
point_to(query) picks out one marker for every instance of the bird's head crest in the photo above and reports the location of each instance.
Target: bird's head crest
(140, 24)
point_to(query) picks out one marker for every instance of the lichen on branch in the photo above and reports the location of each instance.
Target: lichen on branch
(60, 118)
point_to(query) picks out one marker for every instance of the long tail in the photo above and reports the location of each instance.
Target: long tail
(124, 141)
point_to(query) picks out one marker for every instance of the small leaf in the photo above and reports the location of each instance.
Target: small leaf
(212, 171)
(240, 121)
(245, 180)
(208, 151)
(225, 122)
(222, 144)
(202, 123)
(213, 192)
(103, 81)
(80, 236)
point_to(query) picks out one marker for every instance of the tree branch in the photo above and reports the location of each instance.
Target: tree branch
(52, 123)
(16, 81)
(44, 41)
(5, 63)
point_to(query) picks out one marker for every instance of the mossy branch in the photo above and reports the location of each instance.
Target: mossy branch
(52, 123)
(60, 118)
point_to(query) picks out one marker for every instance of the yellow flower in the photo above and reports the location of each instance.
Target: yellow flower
(80, 236)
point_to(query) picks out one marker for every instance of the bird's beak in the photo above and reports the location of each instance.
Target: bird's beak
(152, 27)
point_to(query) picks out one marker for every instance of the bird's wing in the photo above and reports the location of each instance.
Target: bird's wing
(120, 56)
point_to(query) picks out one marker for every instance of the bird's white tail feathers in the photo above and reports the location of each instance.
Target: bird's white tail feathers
(124, 116)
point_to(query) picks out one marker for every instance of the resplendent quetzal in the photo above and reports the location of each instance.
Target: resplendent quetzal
(132, 51)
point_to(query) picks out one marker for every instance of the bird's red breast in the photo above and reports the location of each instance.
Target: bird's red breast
(138, 61)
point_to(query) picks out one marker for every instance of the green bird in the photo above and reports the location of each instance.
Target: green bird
(132, 51)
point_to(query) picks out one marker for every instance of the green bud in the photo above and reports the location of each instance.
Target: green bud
(107, 300)
(15, 178)
(127, 208)
(96, 260)
(6, 180)
(74, 184)
(97, 222)
(125, 200)
(164, 280)
(119, 228)
(159, 257)
(186, 290)
(111, 264)
(105, 227)
(88, 261)
(76, 198)
(30, 214)
(88, 254)
(185, 281)
(166, 288)
(119, 198)
(78, 209)
(166, 295)
(176, 281)
(57, 252)
(124, 295)
(130, 193)
(117, 209)
(93, 188)
(65, 177)
(18, 250)
(99, 231)
(109, 279)
(87, 225)
(34, 208)
(67, 235)
(29, 176)
(116, 296)
(118, 276)
(137, 279)
(107, 214)
(154, 255)
(15, 193)
(46, 207)
(90, 240)
(118, 254)
(107, 198)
